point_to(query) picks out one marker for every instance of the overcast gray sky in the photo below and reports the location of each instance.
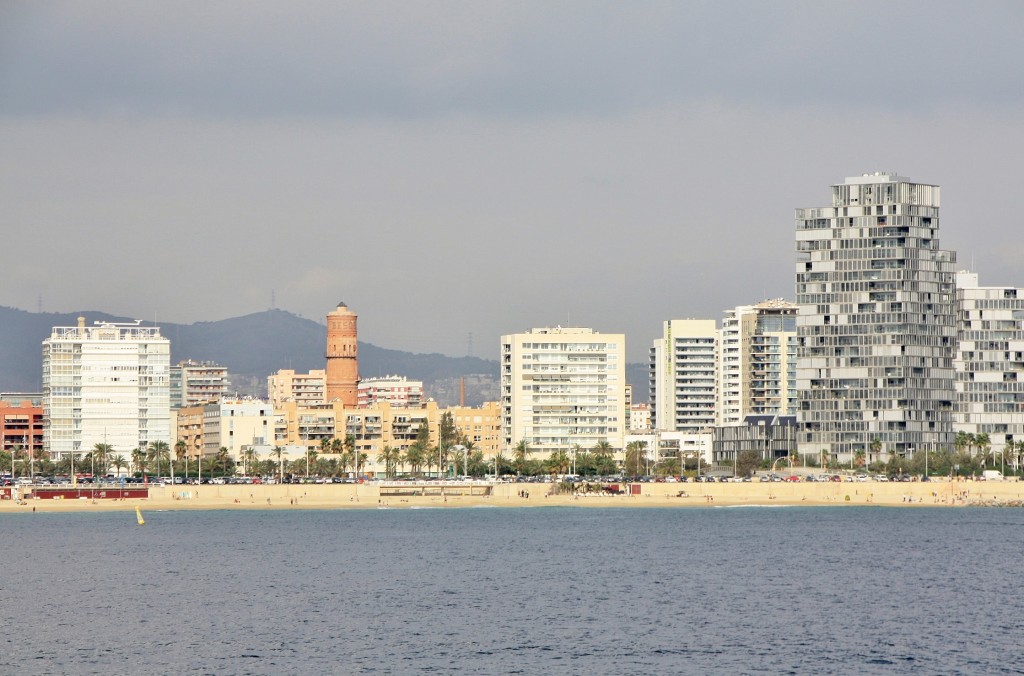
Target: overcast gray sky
(456, 168)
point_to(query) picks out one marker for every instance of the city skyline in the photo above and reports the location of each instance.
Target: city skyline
(508, 166)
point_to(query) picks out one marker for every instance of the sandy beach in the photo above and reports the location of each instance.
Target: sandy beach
(667, 495)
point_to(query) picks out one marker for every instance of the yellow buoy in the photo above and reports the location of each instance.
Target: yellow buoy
(138, 516)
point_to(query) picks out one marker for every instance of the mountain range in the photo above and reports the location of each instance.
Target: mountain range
(254, 346)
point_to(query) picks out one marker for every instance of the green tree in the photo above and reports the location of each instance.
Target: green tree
(140, 460)
(636, 458)
(278, 468)
(520, 456)
(159, 454)
(559, 462)
(604, 458)
(119, 462)
(876, 449)
(389, 456)
(984, 444)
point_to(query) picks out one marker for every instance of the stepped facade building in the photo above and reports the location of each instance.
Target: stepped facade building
(876, 329)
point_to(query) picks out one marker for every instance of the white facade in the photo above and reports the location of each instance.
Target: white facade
(236, 424)
(563, 387)
(105, 384)
(682, 376)
(990, 362)
(395, 390)
(757, 362)
(876, 327)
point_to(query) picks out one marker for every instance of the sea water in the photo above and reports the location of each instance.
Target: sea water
(820, 590)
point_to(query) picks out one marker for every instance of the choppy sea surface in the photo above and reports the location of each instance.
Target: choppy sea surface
(822, 590)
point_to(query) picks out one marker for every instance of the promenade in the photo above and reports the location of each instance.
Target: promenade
(527, 495)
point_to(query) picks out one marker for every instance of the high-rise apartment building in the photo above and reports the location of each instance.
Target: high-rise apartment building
(197, 382)
(876, 328)
(562, 387)
(682, 376)
(342, 356)
(990, 362)
(107, 383)
(757, 361)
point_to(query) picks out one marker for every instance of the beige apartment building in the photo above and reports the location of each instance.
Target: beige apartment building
(482, 426)
(305, 389)
(563, 387)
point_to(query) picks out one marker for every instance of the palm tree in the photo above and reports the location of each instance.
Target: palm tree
(139, 459)
(222, 459)
(414, 457)
(279, 452)
(158, 452)
(180, 448)
(249, 458)
(876, 448)
(311, 457)
(636, 455)
(389, 456)
(101, 455)
(984, 447)
(520, 455)
(119, 462)
(559, 462)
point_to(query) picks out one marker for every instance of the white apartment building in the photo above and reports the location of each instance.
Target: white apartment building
(197, 382)
(236, 424)
(305, 389)
(757, 361)
(876, 327)
(395, 390)
(682, 376)
(108, 383)
(990, 361)
(562, 387)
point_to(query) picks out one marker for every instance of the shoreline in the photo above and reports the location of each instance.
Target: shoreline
(653, 495)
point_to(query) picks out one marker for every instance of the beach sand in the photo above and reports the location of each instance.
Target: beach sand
(367, 496)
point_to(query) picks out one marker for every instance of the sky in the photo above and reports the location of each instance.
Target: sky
(456, 171)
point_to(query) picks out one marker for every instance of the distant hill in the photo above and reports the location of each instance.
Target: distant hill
(256, 345)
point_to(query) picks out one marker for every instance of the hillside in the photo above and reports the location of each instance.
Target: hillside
(256, 345)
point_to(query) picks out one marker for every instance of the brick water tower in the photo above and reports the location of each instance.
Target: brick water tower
(342, 356)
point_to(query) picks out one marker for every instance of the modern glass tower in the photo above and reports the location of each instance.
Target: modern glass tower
(876, 330)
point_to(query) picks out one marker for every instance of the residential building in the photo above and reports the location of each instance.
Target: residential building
(682, 376)
(990, 363)
(395, 390)
(189, 424)
(640, 418)
(108, 383)
(197, 382)
(757, 362)
(769, 436)
(481, 426)
(21, 425)
(876, 328)
(235, 424)
(563, 387)
(305, 389)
